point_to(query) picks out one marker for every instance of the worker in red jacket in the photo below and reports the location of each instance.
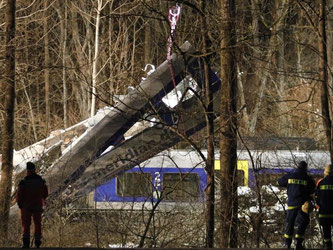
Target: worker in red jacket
(32, 192)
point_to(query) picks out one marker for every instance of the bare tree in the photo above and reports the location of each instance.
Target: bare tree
(95, 60)
(47, 65)
(8, 86)
(325, 95)
(209, 117)
(228, 126)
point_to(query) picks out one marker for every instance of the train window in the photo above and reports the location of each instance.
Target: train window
(134, 184)
(180, 187)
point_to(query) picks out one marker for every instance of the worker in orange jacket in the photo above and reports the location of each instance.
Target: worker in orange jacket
(324, 196)
(31, 195)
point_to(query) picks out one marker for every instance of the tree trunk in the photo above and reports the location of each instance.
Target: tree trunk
(147, 45)
(47, 69)
(64, 55)
(26, 82)
(245, 115)
(210, 188)
(228, 125)
(80, 61)
(8, 87)
(262, 65)
(112, 86)
(329, 19)
(95, 61)
(209, 117)
(324, 97)
(61, 9)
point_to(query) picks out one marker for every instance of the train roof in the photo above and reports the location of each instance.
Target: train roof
(175, 158)
(182, 158)
(285, 158)
(276, 143)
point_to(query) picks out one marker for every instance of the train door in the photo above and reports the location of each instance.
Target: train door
(242, 171)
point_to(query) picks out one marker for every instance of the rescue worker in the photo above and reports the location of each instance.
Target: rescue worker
(31, 194)
(326, 173)
(324, 197)
(300, 188)
(302, 221)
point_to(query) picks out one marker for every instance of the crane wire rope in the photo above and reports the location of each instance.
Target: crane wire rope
(173, 17)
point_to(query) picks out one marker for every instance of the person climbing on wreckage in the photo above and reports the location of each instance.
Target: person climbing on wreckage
(31, 195)
(300, 188)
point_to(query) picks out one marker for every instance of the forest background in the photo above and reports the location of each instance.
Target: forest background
(73, 57)
(57, 60)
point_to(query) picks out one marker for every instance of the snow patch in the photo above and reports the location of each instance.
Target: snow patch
(270, 189)
(244, 190)
(279, 207)
(254, 209)
(128, 245)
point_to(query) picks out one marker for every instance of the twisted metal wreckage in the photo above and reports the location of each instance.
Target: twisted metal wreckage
(88, 162)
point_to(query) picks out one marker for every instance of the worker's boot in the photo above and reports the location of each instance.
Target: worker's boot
(38, 241)
(299, 244)
(287, 243)
(26, 242)
(328, 245)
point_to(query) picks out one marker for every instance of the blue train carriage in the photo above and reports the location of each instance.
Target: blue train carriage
(265, 167)
(177, 177)
(172, 178)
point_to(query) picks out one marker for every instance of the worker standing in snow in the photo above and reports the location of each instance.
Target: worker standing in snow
(324, 197)
(31, 195)
(302, 221)
(300, 187)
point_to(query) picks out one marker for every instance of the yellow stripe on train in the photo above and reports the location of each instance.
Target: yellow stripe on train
(241, 166)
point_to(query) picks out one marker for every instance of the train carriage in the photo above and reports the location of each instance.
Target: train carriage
(177, 177)
(265, 167)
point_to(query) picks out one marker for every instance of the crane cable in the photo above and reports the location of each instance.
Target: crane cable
(173, 17)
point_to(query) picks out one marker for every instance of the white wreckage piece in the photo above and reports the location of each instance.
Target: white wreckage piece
(43, 153)
(58, 140)
(111, 129)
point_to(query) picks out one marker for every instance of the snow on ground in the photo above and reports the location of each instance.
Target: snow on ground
(270, 190)
(279, 207)
(128, 245)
